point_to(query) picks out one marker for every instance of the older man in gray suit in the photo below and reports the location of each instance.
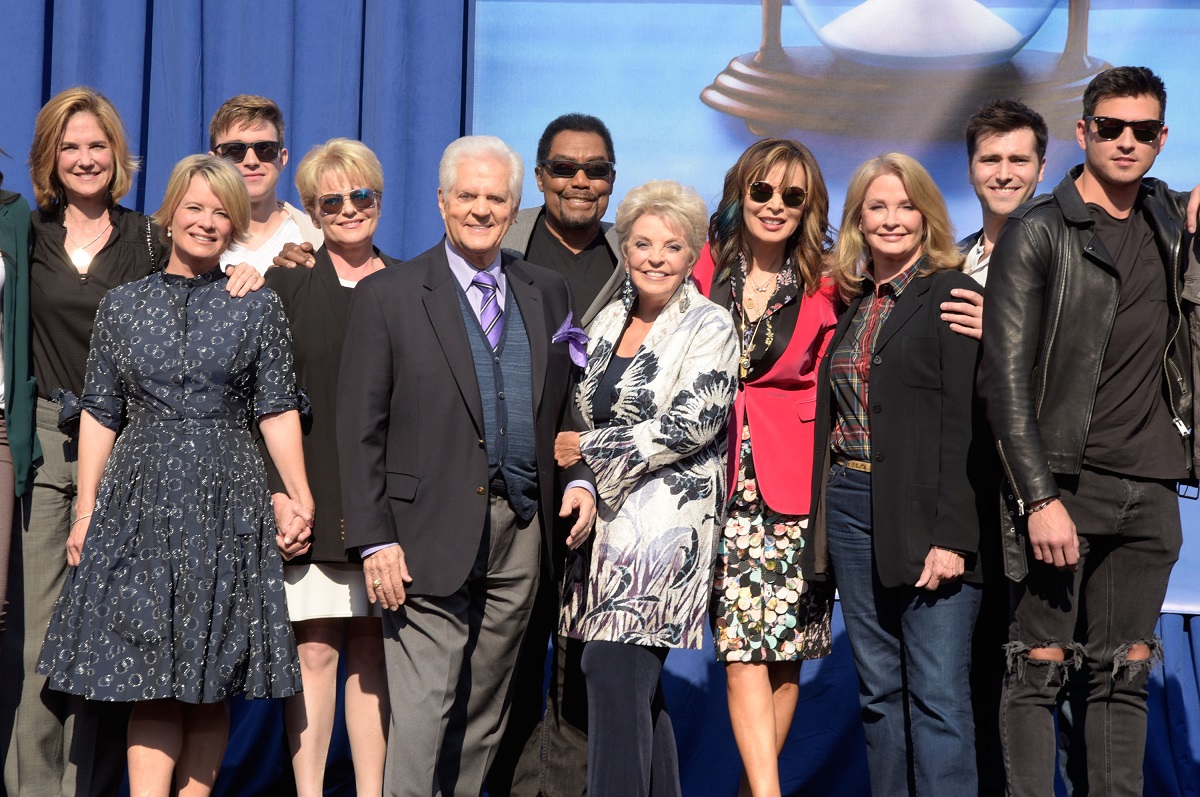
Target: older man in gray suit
(447, 412)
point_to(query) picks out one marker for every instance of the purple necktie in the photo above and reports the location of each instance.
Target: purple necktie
(490, 314)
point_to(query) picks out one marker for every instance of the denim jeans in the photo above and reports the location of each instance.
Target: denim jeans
(912, 649)
(1129, 538)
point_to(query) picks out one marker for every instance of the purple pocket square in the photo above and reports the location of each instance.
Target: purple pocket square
(575, 338)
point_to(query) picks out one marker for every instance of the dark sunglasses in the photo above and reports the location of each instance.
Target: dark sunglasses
(762, 191)
(361, 198)
(593, 170)
(1109, 128)
(265, 151)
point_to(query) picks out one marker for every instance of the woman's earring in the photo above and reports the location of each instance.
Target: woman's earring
(627, 291)
(685, 299)
(168, 232)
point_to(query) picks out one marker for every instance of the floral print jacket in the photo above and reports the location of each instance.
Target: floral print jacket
(645, 576)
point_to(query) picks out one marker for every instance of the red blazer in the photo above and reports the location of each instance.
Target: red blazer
(781, 404)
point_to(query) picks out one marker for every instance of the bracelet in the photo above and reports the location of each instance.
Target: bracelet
(1040, 505)
(81, 517)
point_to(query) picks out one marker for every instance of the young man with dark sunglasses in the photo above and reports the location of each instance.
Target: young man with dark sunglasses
(247, 131)
(1086, 378)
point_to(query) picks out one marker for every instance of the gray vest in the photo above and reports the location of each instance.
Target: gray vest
(506, 390)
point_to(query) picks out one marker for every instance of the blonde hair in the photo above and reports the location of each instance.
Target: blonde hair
(937, 239)
(226, 184)
(678, 205)
(353, 159)
(246, 110)
(48, 132)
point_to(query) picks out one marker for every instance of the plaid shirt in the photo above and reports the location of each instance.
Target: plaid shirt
(850, 367)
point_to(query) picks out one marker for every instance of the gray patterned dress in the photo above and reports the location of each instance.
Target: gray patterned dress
(179, 593)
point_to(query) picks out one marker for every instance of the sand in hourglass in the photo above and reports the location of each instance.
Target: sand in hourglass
(923, 28)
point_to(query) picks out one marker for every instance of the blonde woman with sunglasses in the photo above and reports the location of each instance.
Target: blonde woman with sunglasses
(341, 186)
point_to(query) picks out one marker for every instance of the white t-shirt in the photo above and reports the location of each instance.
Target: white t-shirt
(288, 232)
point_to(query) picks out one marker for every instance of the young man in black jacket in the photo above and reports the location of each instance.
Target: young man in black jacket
(1087, 380)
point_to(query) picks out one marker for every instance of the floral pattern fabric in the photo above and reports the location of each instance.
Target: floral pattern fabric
(646, 574)
(764, 610)
(179, 593)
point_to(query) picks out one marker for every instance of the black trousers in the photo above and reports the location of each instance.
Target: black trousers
(631, 744)
(1129, 538)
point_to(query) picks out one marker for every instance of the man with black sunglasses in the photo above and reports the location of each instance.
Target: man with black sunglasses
(546, 752)
(575, 173)
(247, 131)
(1086, 378)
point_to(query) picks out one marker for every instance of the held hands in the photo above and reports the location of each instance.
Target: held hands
(580, 500)
(243, 278)
(566, 449)
(293, 523)
(941, 567)
(965, 317)
(293, 255)
(386, 574)
(1052, 535)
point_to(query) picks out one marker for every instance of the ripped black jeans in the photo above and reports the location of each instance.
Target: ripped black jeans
(1129, 538)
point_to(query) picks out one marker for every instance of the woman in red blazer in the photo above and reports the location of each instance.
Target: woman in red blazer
(764, 260)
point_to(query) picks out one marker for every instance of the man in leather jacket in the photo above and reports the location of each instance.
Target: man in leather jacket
(1087, 381)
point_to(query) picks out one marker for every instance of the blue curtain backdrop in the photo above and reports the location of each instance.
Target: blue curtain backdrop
(388, 72)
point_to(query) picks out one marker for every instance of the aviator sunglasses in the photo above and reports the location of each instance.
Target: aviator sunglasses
(593, 170)
(762, 191)
(1110, 128)
(265, 151)
(361, 198)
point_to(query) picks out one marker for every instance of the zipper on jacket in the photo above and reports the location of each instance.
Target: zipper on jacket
(1011, 481)
(1169, 367)
(1046, 354)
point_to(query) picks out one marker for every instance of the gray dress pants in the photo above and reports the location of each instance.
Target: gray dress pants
(53, 744)
(450, 665)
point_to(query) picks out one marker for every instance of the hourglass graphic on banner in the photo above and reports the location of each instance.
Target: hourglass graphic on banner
(917, 66)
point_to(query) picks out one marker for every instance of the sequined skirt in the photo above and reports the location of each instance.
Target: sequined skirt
(763, 609)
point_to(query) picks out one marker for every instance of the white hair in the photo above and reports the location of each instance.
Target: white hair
(481, 148)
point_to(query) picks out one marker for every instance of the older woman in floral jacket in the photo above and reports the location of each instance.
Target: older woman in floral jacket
(652, 407)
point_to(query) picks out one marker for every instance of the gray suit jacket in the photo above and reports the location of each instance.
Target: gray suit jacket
(516, 243)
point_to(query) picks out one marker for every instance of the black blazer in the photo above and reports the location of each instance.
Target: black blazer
(317, 307)
(410, 419)
(933, 469)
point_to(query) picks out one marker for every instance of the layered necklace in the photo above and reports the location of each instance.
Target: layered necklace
(755, 299)
(80, 257)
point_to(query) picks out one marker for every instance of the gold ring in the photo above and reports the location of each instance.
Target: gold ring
(377, 584)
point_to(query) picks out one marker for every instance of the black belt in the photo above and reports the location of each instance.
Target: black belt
(498, 487)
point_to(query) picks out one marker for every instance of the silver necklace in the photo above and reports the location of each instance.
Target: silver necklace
(80, 257)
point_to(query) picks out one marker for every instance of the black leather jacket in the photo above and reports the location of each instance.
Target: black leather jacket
(1051, 302)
